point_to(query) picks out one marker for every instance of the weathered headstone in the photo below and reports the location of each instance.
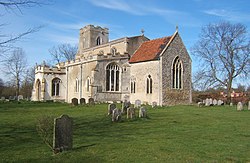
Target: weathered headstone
(231, 104)
(2, 98)
(220, 102)
(142, 113)
(116, 115)
(154, 104)
(137, 103)
(63, 134)
(74, 101)
(200, 104)
(239, 106)
(20, 97)
(207, 103)
(248, 105)
(111, 107)
(215, 102)
(130, 113)
(125, 106)
(211, 102)
(82, 101)
(91, 101)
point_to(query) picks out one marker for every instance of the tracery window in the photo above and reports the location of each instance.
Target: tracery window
(55, 87)
(112, 77)
(177, 73)
(149, 84)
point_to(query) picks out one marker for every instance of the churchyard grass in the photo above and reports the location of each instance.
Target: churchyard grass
(169, 134)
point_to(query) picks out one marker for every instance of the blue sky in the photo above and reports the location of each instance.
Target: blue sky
(62, 20)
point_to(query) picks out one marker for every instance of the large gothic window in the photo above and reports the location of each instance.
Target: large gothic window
(177, 70)
(149, 84)
(55, 87)
(112, 77)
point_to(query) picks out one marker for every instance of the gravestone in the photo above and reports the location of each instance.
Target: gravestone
(220, 102)
(210, 102)
(125, 106)
(200, 104)
(74, 101)
(239, 106)
(137, 103)
(20, 97)
(215, 102)
(231, 104)
(142, 113)
(111, 107)
(91, 101)
(154, 104)
(207, 103)
(248, 105)
(130, 113)
(82, 101)
(116, 115)
(63, 134)
(2, 98)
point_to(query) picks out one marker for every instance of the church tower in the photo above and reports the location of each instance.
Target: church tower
(91, 36)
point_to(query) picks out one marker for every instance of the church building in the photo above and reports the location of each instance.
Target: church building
(129, 68)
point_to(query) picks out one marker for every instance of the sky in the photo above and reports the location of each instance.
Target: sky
(62, 19)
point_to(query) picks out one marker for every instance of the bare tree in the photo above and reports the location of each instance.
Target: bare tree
(223, 50)
(7, 40)
(63, 52)
(15, 66)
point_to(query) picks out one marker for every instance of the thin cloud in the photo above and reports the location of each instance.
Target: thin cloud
(228, 15)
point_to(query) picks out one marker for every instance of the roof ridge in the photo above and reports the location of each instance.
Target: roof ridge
(159, 38)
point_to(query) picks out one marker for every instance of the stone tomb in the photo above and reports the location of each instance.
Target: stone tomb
(142, 113)
(63, 134)
(111, 107)
(239, 106)
(137, 103)
(74, 101)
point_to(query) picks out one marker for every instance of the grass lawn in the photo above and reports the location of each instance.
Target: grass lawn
(170, 134)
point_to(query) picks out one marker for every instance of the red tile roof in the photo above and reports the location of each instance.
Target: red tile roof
(150, 50)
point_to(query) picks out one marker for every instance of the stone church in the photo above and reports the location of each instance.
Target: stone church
(127, 68)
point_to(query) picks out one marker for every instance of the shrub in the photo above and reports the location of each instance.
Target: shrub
(45, 126)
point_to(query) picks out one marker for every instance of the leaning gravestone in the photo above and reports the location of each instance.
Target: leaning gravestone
(125, 106)
(130, 113)
(248, 105)
(154, 104)
(74, 101)
(91, 101)
(142, 113)
(239, 106)
(63, 134)
(116, 115)
(20, 97)
(111, 107)
(82, 101)
(137, 103)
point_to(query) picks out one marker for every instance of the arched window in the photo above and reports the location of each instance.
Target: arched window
(38, 89)
(88, 84)
(113, 51)
(177, 74)
(77, 85)
(55, 87)
(112, 77)
(149, 84)
(132, 86)
(98, 40)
